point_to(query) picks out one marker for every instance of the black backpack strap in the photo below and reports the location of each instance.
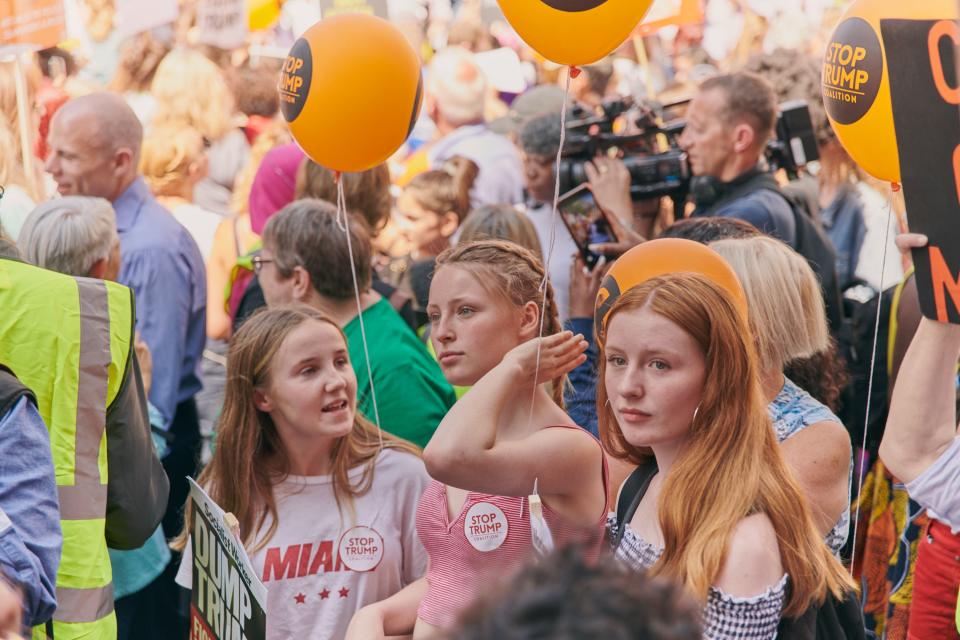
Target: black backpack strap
(11, 390)
(631, 494)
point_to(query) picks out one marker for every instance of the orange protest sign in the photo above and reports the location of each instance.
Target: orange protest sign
(688, 12)
(31, 24)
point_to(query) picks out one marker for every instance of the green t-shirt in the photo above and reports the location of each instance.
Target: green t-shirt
(412, 394)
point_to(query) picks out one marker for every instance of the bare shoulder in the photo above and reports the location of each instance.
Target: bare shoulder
(825, 441)
(831, 434)
(752, 563)
(826, 433)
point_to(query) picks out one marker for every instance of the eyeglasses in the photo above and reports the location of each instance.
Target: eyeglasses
(258, 262)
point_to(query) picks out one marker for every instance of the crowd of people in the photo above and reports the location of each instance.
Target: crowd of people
(182, 297)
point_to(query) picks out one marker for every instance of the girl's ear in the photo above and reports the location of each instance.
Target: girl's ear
(530, 320)
(261, 401)
(448, 224)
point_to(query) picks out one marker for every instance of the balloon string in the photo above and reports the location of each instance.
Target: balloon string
(553, 235)
(861, 472)
(343, 224)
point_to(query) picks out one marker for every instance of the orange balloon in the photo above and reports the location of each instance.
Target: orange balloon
(351, 90)
(856, 81)
(659, 258)
(574, 32)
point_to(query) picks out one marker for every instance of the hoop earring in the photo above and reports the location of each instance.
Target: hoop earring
(695, 412)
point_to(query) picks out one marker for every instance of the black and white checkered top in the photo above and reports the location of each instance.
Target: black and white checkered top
(725, 617)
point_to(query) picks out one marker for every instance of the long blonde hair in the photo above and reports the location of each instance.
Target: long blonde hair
(731, 466)
(787, 315)
(513, 272)
(250, 457)
(191, 91)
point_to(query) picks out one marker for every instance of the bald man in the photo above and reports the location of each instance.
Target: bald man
(95, 151)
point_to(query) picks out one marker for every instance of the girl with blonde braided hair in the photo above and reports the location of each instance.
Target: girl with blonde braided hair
(506, 439)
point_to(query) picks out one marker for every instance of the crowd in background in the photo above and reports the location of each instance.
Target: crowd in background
(163, 164)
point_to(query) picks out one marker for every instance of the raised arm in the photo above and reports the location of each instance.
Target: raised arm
(465, 451)
(922, 422)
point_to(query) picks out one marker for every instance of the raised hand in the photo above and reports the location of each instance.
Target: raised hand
(560, 353)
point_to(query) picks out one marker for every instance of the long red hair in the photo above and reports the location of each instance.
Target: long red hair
(731, 466)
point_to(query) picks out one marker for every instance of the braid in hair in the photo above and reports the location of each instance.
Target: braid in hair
(517, 274)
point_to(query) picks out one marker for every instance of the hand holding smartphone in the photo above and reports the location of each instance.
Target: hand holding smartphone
(587, 223)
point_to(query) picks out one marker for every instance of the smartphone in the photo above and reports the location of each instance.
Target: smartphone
(586, 222)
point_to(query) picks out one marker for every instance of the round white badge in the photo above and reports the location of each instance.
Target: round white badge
(485, 526)
(361, 549)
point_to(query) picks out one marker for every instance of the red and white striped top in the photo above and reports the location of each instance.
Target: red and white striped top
(486, 543)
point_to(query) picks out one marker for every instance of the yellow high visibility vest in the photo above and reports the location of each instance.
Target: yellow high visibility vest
(70, 341)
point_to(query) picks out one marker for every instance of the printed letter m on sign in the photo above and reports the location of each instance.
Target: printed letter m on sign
(944, 282)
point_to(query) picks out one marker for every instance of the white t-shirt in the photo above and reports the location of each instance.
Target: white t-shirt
(564, 248)
(201, 224)
(877, 220)
(938, 488)
(320, 570)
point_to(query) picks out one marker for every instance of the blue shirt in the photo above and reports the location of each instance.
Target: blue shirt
(30, 537)
(765, 209)
(161, 262)
(580, 396)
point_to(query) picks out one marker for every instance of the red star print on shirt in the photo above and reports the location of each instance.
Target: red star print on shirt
(324, 594)
(300, 598)
(344, 592)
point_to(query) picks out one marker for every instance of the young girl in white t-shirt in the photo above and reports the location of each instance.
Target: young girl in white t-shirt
(306, 477)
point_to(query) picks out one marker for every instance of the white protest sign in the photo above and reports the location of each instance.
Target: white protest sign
(136, 16)
(228, 600)
(222, 23)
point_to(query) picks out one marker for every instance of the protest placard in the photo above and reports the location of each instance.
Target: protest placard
(925, 96)
(228, 600)
(222, 23)
(135, 16)
(28, 25)
(665, 13)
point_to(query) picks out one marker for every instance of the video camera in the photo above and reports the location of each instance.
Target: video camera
(658, 166)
